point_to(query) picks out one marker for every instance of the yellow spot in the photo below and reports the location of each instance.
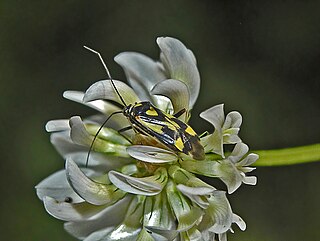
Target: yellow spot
(137, 104)
(152, 112)
(179, 144)
(171, 127)
(190, 131)
(154, 127)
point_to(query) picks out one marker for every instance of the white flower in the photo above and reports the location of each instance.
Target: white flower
(134, 187)
(226, 129)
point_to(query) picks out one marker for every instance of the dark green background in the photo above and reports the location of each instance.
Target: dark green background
(258, 57)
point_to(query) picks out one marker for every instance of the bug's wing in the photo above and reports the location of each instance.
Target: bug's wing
(190, 144)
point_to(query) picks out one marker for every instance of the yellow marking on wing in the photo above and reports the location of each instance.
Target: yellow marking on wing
(154, 127)
(179, 144)
(174, 124)
(190, 131)
(152, 112)
(171, 127)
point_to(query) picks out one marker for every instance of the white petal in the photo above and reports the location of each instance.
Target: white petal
(220, 212)
(93, 192)
(57, 187)
(104, 90)
(71, 211)
(82, 229)
(181, 65)
(238, 152)
(250, 180)
(144, 235)
(230, 175)
(129, 229)
(233, 120)
(162, 235)
(64, 145)
(176, 91)
(214, 115)
(99, 161)
(81, 136)
(99, 105)
(186, 214)
(239, 221)
(222, 236)
(78, 133)
(151, 154)
(157, 214)
(213, 142)
(195, 190)
(147, 186)
(193, 193)
(99, 235)
(57, 125)
(249, 160)
(142, 73)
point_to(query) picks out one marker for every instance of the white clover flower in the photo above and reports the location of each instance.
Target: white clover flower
(134, 187)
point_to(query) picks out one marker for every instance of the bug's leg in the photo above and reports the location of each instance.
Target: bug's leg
(179, 113)
(123, 130)
(204, 134)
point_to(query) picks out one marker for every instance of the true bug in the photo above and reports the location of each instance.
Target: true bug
(147, 119)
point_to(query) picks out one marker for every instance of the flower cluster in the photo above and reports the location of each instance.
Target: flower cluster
(133, 187)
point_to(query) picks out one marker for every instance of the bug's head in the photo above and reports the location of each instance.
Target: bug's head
(127, 110)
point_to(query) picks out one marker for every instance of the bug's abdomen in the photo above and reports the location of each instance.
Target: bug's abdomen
(175, 134)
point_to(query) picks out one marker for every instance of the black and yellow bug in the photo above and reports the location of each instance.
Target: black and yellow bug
(147, 119)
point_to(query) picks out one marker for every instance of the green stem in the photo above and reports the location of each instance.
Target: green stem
(288, 156)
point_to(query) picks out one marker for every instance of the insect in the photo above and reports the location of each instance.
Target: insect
(147, 119)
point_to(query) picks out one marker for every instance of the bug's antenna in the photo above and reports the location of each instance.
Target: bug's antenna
(108, 73)
(97, 133)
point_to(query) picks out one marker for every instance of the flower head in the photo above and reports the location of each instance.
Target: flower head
(136, 186)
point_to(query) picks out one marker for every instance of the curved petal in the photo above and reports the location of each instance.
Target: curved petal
(142, 73)
(81, 136)
(107, 134)
(229, 174)
(233, 120)
(151, 154)
(214, 142)
(99, 105)
(103, 89)
(181, 176)
(194, 194)
(82, 229)
(238, 152)
(99, 162)
(186, 214)
(157, 213)
(148, 186)
(129, 229)
(230, 136)
(220, 212)
(93, 192)
(248, 160)
(239, 221)
(57, 187)
(71, 211)
(160, 234)
(144, 235)
(57, 125)
(180, 64)
(251, 180)
(176, 91)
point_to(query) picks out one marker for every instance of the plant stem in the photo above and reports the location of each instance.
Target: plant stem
(288, 156)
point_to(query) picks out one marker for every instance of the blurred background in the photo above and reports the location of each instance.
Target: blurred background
(258, 57)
